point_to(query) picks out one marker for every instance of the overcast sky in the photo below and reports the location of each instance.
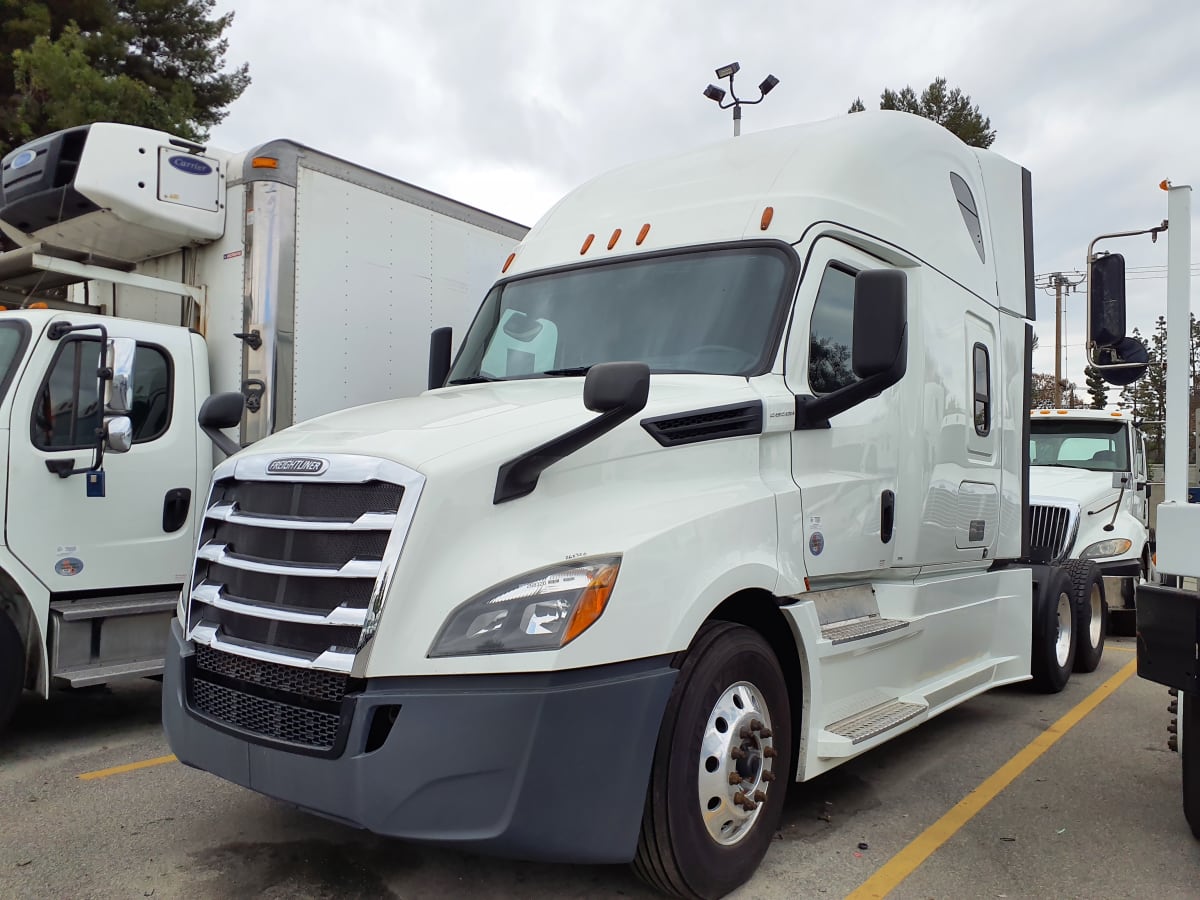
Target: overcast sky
(508, 105)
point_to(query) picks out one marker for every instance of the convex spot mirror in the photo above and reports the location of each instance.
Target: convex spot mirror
(118, 434)
(1106, 300)
(118, 390)
(1127, 351)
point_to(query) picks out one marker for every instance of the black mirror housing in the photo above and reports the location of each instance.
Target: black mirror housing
(222, 410)
(1106, 300)
(617, 385)
(440, 343)
(880, 318)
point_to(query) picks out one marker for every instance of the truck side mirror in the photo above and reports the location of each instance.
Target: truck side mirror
(118, 390)
(1106, 300)
(880, 320)
(617, 385)
(118, 434)
(880, 352)
(222, 411)
(440, 340)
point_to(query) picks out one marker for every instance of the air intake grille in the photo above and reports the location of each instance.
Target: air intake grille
(1049, 532)
(737, 420)
(267, 718)
(309, 683)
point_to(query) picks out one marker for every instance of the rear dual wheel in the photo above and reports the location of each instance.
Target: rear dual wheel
(1054, 632)
(721, 767)
(1091, 612)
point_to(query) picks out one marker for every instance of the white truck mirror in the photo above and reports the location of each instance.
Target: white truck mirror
(118, 434)
(118, 390)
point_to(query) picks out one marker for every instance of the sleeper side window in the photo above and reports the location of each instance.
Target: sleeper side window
(983, 391)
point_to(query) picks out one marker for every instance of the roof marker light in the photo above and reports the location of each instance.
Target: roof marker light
(587, 242)
(508, 262)
(264, 162)
(642, 234)
(1062, 412)
(768, 214)
(616, 236)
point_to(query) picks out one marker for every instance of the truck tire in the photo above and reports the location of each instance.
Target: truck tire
(12, 669)
(1091, 612)
(1189, 752)
(1053, 653)
(720, 769)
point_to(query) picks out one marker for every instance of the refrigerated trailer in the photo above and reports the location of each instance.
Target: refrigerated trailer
(292, 282)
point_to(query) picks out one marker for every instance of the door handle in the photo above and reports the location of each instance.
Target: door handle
(887, 515)
(175, 508)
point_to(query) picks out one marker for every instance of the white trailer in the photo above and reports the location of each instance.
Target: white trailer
(1090, 504)
(792, 527)
(299, 282)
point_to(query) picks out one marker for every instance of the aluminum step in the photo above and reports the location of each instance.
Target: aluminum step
(841, 633)
(86, 677)
(876, 720)
(107, 607)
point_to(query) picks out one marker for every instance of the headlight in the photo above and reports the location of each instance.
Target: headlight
(542, 610)
(1111, 547)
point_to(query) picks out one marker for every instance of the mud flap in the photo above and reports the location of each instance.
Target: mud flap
(1168, 636)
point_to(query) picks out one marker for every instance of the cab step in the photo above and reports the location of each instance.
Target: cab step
(841, 737)
(844, 632)
(93, 675)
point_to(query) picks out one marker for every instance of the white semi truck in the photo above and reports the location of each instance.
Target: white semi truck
(288, 281)
(727, 485)
(1168, 617)
(1089, 505)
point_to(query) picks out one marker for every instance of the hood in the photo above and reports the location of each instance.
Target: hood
(416, 430)
(1083, 486)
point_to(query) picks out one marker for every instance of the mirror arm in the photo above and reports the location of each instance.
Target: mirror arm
(223, 442)
(815, 412)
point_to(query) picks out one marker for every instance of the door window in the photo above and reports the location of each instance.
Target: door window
(831, 332)
(68, 410)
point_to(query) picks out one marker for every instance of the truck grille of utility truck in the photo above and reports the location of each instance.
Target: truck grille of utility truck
(292, 565)
(1051, 531)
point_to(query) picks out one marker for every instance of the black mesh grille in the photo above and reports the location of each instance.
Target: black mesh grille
(289, 591)
(335, 502)
(706, 424)
(300, 548)
(268, 718)
(328, 686)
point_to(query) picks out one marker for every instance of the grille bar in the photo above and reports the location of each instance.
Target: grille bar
(326, 661)
(370, 521)
(1050, 530)
(214, 595)
(355, 568)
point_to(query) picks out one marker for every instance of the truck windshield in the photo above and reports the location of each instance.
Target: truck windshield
(1099, 446)
(717, 311)
(13, 336)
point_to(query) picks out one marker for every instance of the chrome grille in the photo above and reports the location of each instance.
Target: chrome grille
(290, 573)
(1050, 530)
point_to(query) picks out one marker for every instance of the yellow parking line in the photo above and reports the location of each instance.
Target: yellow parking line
(1120, 647)
(904, 863)
(128, 767)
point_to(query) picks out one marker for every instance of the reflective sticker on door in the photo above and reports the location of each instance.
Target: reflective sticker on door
(816, 543)
(69, 565)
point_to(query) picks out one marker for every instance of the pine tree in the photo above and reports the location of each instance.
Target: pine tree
(1097, 387)
(155, 63)
(952, 110)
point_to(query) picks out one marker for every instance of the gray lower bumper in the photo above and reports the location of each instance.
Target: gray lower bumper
(549, 766)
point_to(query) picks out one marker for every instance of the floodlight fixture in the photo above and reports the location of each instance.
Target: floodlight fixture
(768, 85)
(717, 95)
(728, 71)
(714, 93)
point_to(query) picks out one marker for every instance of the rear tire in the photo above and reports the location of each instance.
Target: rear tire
(1053, 652)
(728, 717)
(1189, 752)
(12, 669)
(1091, 612)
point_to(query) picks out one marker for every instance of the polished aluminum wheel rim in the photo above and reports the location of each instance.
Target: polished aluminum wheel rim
(1097, 616)
(1062, 644)
(737, 763)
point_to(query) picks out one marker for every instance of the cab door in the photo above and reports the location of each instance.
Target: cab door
(130, 529)
(847, 473)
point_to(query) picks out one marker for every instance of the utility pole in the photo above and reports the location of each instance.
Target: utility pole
(1058, 281)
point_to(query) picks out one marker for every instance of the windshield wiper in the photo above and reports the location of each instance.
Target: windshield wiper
(474, 379)
(560, 373)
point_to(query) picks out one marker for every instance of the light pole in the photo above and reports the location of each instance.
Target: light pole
(717, 95)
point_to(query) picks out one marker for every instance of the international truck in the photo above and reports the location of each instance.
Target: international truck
(1089, 506)
(726, 485)
(287, 281)
(1168, 615)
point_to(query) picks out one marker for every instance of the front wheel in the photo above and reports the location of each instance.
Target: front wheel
(12, 668)
(721, 767)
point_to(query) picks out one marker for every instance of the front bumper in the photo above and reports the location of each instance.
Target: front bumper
(546, 766)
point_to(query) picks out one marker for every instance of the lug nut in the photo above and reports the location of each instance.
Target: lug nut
(755, 725)
(760, 796)
(765, 733)
(768, 777)
(1173, 692)
(747, 804)
(1173, 706)
(737, 753)
(1173, 743)
(1172, 728)
(735, 778)
(770, 752)
(745, 734)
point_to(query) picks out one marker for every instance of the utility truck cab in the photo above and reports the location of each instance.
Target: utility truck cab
(1089, 500)
(151, 273)
(725, 487)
